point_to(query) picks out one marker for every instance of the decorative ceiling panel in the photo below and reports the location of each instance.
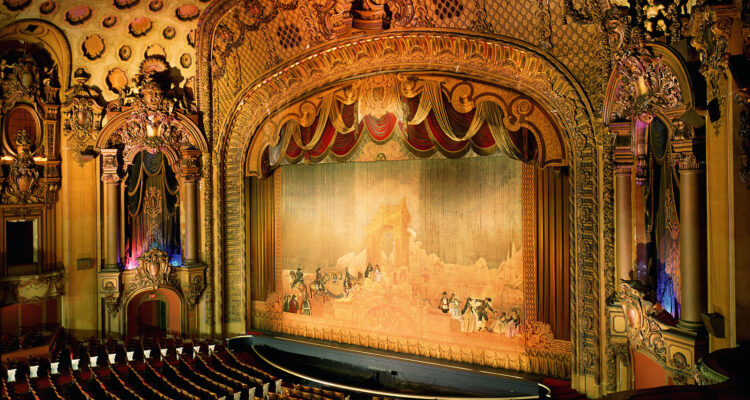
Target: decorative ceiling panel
(114, 35)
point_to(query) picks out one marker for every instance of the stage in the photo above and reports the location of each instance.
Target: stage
(383, 374)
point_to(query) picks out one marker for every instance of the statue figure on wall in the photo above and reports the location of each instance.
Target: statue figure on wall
(369, 14)
(153, 125)
(339, 16)
(29, 78)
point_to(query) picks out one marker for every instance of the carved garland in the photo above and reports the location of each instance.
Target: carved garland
(506, 63)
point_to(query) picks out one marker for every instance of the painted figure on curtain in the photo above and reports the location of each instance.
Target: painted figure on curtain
(380, 246)
(153, 218)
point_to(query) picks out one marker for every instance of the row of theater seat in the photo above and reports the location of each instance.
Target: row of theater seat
(127, 371)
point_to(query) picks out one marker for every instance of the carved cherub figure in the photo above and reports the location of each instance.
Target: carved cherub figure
(3, 66)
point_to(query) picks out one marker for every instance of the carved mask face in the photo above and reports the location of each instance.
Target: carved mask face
(152, 96)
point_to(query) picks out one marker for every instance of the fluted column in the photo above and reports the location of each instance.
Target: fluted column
(623, 223)
(692, 230)
(111, 179)
(190, 171)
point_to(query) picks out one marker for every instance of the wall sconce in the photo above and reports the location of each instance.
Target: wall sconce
(88, 154)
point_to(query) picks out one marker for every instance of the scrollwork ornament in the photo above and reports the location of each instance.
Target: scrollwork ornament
(710, 38)
(647, 83)
(616, 352)
(153, 269)
(81, 115)
(23, 180)
(112, 304)
(544, 30)
(644, 332)
(194, 290)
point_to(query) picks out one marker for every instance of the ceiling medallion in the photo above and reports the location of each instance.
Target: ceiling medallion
(123, 4)
(125, 52)
(169, 32)
(47, 7)
(140, 26)
(186, 60)
(117, 80)
(93, 47)
(155, 5)
(109, 21)
(187, 12)
(16, 5)
(78, 15)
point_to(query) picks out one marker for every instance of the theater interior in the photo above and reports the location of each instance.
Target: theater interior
(374, 199)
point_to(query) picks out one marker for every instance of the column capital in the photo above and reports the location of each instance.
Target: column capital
(623, 169)
(111, 179)
(689, 153)
(190, 164)
(110, 165)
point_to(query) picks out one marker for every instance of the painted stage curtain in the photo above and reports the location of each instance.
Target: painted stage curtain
(430, 125)
(152, 192)
(553, 250)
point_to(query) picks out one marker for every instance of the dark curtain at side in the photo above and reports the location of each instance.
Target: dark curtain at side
(261, 215)
(553, 250)
(662, 199)
(153, 218)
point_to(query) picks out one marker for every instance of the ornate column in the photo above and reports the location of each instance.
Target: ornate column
(689, 156)
(111, 179)
(190, 170)
(623, 223)
(623, 170)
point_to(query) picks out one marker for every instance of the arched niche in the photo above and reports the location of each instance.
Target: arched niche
(185, 124)
(492, 60)
(47, 36)
(35, 69)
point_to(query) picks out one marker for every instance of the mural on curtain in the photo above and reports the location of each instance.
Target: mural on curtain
(152, 192)
(428, 249)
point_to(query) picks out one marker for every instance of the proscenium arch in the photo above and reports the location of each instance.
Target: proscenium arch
(495, 60)
(49, 37)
